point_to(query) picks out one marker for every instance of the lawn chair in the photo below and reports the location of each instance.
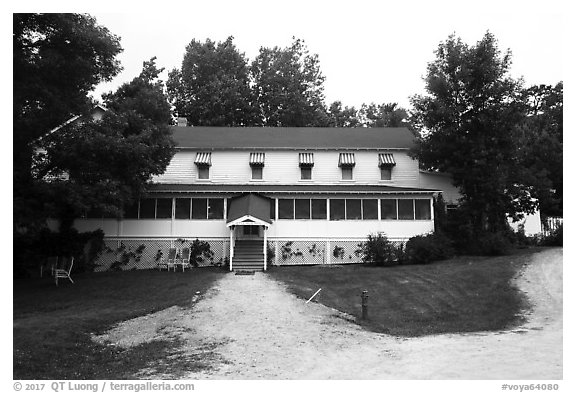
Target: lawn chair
(169, 262)
(49, 265)
(184, 259)
(63, 269)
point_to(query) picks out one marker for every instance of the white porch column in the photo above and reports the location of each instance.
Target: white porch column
(265, 247)
(231, 245)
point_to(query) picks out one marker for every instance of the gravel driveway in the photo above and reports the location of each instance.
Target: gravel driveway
(250, 327)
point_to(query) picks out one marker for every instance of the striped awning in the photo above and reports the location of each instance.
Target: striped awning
(346, 159)
(203, 159)
(256, 159)
(386, 159)
(306, 160)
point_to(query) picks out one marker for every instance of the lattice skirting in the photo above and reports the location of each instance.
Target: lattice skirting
(318, 252)
(129, 254)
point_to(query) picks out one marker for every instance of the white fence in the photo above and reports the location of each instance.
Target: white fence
(550, 224)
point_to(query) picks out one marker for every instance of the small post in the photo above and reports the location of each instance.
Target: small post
(364, 305)
(312, 297)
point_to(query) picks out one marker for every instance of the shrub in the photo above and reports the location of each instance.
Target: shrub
(199, 250)
(379, 250)
(428, 248)
(34, 248)
(521, 240)
(555, 239)
(490, 244)
(270, 255)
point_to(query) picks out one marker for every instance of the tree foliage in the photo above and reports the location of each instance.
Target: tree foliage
(369, 115)
(469, 127)
(212, 88)
(383, 115)
(542, 136)
(289, 86)
(102, 165)
(57, 60)
(342, 117)
(282, 87)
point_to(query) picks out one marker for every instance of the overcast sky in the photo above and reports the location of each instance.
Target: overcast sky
(370, 51)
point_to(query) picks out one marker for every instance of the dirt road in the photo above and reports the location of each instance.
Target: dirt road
(252, 328)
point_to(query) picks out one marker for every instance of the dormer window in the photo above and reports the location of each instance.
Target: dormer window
(257, 165)
(306, 162)
(386, 162)
(203, 162)
(346, 162)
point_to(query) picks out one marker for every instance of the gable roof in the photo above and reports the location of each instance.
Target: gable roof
(287, 138)
(249, 206)
(93, 113)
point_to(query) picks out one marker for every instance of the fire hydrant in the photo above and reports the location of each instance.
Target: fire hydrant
(364, 304)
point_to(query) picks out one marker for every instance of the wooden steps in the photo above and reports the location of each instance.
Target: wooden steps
(248, 255)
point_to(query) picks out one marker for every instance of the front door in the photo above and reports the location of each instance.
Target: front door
(250, 231)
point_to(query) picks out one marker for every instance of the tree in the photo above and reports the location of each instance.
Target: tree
(468, 123)
(289, 86)
(212, 88)
(342, 117)
(102, 166)
(383, 115)
(57, 60)
(542, 134)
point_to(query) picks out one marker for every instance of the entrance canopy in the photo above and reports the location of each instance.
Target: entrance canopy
(249, 209)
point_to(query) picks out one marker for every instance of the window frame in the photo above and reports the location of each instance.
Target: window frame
(194, 202)
(395, 200)
(398, 209)
(346, 169)
(189, 208)
(156, 216)
(332, 204)
(364, 209)
(296, 200)
(254, 169)
(350, 202)
(203, 172)
(386, 170)
(280, 202)
(425, 202)
(312, 209)
(209, 208)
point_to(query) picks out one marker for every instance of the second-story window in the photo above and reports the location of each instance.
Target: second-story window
(306, 162)
(203, 162)
(347, 173)
(204, 172)
(256, 173)
(386, 162)
(257, 165)
(346, 162)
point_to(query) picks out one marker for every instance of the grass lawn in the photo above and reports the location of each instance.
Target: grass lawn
(52, 326)
(463, 294)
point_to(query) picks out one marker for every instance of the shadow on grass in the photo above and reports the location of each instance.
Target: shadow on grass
(53, 326)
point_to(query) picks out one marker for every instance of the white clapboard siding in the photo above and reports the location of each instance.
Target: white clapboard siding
(180, 170)
(281, 167)
(440, 181)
